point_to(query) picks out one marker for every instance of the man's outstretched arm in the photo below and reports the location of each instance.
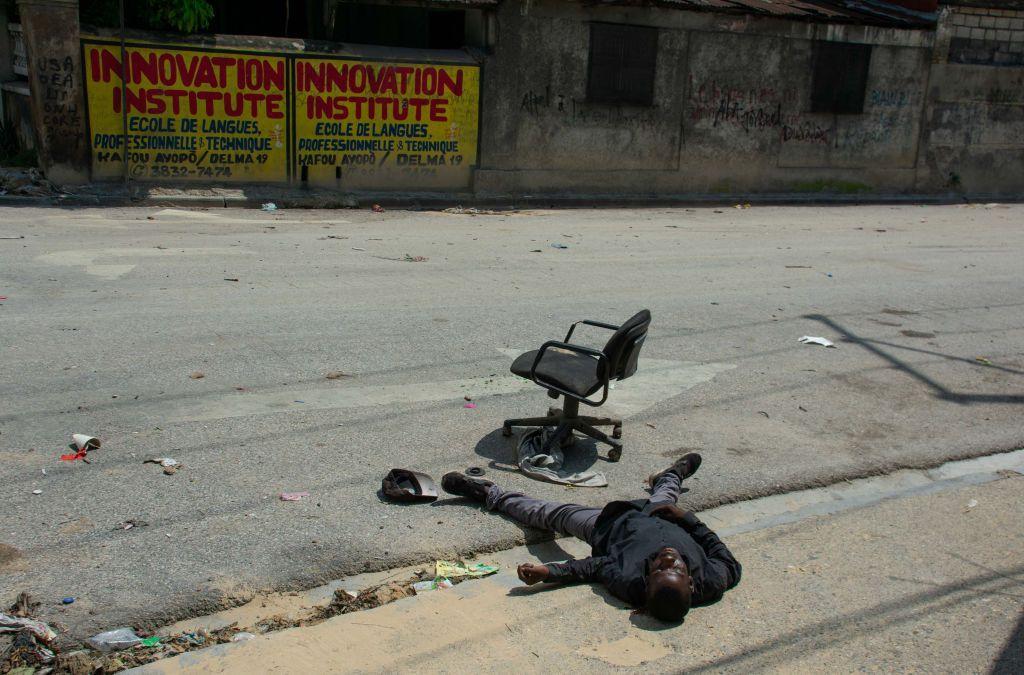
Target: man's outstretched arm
(584, 569)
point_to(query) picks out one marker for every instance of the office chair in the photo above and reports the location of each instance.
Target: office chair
(575, 373)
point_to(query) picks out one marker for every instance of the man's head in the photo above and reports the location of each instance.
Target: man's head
(669, 586)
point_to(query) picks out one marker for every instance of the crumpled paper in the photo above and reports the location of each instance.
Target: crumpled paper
(448, 569)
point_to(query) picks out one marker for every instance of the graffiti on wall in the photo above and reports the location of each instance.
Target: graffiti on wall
(57, 80)
(574, 111)
(254, 117)
(755, 109)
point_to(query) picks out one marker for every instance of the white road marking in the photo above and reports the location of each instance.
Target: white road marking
(88, 258)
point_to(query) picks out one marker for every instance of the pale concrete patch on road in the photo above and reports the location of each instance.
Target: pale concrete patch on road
(95, 261)
(629, 651)
(659, 381)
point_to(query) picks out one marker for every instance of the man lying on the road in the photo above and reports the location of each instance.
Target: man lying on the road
(647, 552)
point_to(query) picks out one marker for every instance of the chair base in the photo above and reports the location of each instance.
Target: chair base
(567, 422)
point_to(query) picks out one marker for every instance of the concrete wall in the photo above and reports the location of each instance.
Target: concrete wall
(730, 114)
(974, 135)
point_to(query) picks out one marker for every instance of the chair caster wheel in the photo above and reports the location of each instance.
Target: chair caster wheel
(616, 432)
(506, 431)
(615, 454)
(554, 412)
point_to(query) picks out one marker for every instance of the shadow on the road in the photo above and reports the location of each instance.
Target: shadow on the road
(501, 452)
(1011, 660)
(820, 636)
(940, 390)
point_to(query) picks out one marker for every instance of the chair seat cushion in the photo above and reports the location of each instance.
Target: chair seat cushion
(571, 371)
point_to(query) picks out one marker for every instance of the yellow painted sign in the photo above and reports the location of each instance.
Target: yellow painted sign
(382, 124)
(227, 115)
(192, 115)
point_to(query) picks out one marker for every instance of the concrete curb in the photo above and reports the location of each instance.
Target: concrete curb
(289, 199)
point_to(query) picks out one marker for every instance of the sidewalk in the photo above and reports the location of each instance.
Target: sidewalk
(930, 583)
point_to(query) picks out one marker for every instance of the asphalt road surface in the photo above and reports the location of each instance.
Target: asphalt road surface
(110, 315)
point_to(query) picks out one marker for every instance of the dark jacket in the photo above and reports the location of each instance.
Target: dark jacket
(626, 539)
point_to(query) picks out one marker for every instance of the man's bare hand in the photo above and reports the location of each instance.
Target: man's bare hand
(530, 573)
(669, 512)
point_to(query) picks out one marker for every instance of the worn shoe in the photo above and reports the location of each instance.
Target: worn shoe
(472, 488)
(684, 467)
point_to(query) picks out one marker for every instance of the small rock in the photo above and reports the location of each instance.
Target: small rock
(197, 375)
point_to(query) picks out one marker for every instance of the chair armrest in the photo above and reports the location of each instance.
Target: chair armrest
(588, 322)
(602, 366)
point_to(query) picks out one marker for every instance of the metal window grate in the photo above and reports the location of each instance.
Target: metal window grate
(622, 64)
(840, 77)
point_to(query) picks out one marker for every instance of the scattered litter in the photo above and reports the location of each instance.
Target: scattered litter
(269, 206)
(24, 655)
(130, 523)
(982, 360)
(474, 471)
(293, 496)
(541, 462)
(467, 398)
(150, 642)
(163, 461)
(197, 375)
(114, 640)
(432, 585)
(828, 274)
(37, 492)
(29, 182)
(230, 279)
(377, 208)
(469, 405)
(761, 412)
(358, 249)
(336, 375)
(23, 606)
(798, 267)
(170, 470)
(449, 570)
(85, 442)
(243, 637)
(800, 407)
(970, 505)
(559, 244)
(415, 258)
(44, 472)
(20, 236)
(536, 250)
(810, 340)
(472, 211)
(651, 425)
(67, 601)
(16, 624)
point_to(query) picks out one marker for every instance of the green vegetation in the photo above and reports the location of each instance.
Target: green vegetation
(186, 16)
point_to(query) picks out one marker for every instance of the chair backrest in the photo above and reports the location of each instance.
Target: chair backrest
(623, 348)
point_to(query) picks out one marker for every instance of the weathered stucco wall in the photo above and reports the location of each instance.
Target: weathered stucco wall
(974, 122)
(730, 112)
